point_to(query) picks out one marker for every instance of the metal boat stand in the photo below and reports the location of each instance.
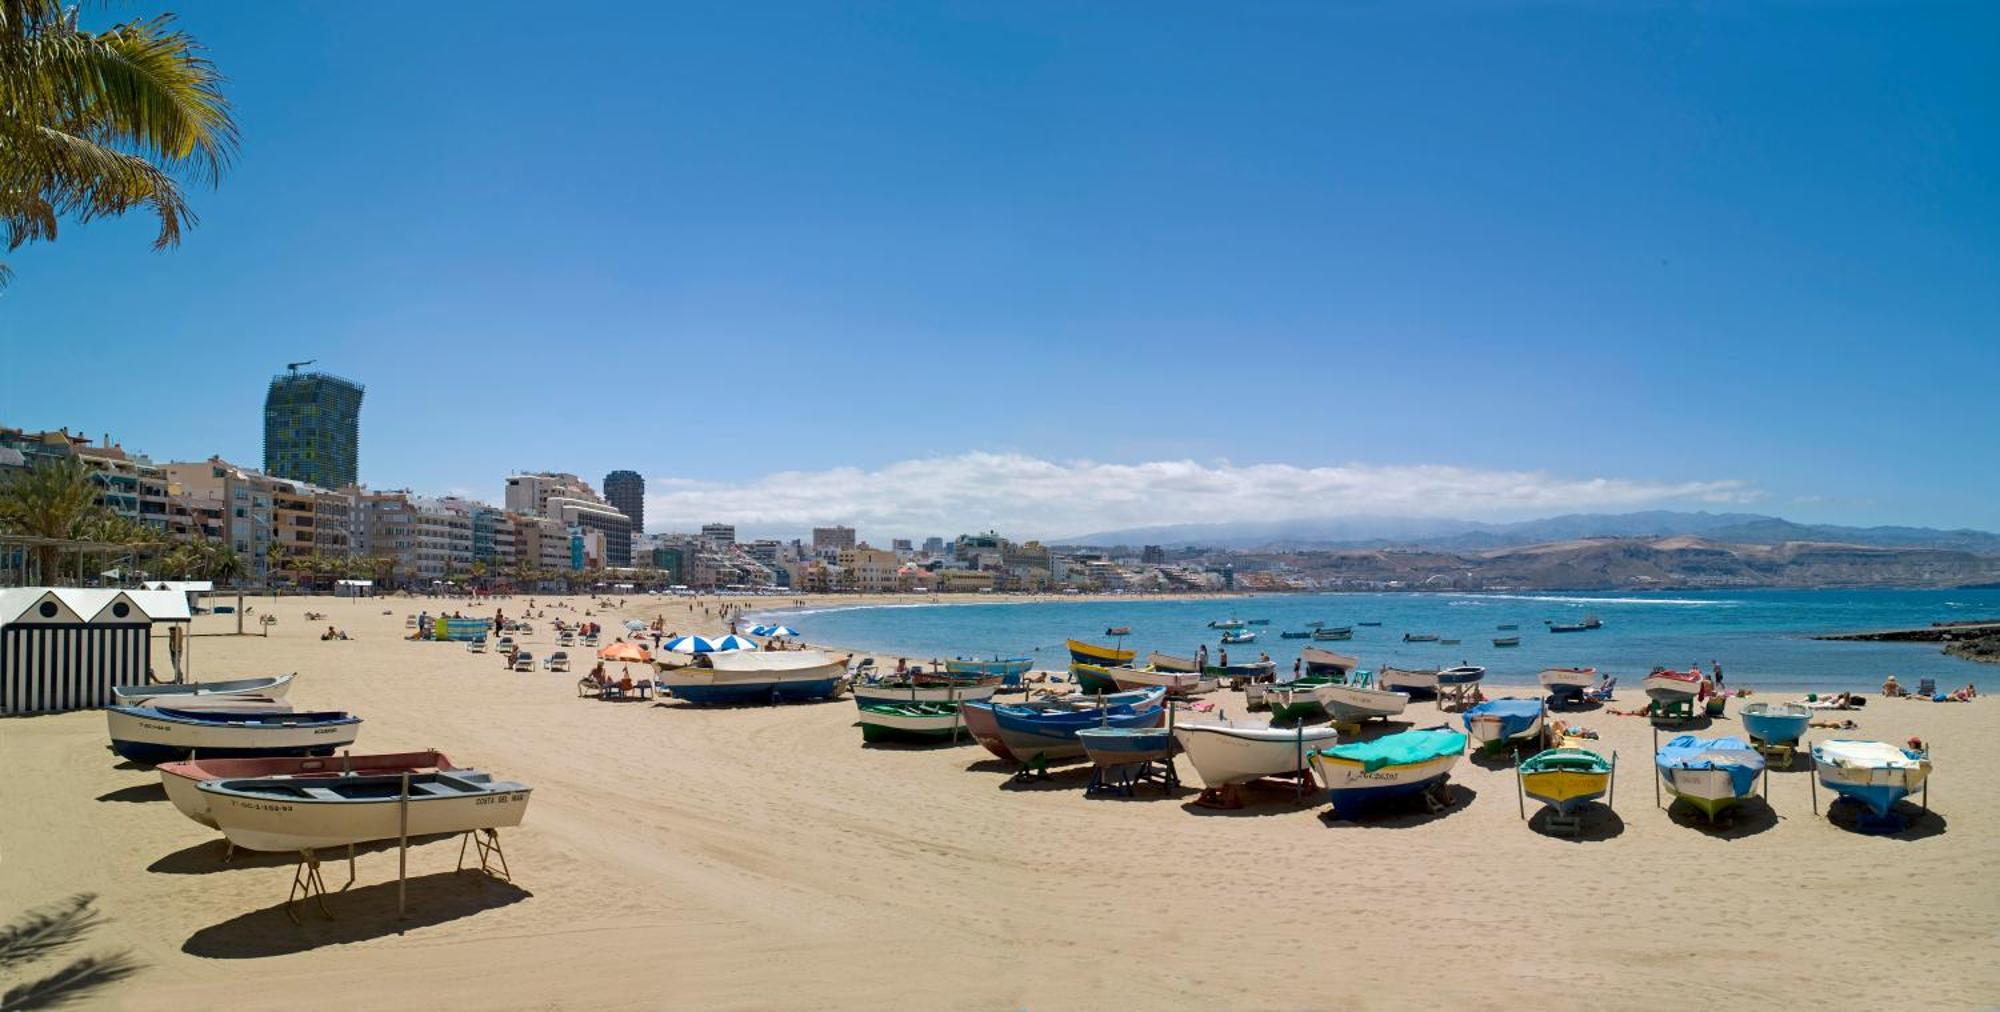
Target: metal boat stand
(488, 843)
(1120, 778)
(307, 884)
(1032, 770)
(1438, 796)
(1675, 713)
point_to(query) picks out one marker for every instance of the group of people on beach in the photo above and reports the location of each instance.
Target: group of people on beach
(1895, 690)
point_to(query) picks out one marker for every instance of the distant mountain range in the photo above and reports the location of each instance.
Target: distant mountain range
(1469, 535)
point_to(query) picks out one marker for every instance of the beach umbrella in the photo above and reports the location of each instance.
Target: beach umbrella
(734, 642)
(690, 645)
(634, 624)
(624, 652)
(761, 630)
(776, 632)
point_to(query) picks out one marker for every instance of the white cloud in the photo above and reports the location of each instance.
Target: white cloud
(1029, 497)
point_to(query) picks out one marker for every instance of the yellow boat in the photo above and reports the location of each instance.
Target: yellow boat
(1566, 779)
(1106, 657)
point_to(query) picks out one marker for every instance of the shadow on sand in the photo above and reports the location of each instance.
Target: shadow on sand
(137, 793)
(1854, 817)
(1599, 824)
(207, 858)
(1404, 813)
(1745, 818)
(361, 913)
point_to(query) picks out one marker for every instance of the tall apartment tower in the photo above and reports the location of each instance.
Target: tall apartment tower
(626, 492)
(312, 429)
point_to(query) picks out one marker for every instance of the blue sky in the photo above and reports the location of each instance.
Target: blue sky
(925, 265)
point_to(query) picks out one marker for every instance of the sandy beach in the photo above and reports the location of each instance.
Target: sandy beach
(761, 857)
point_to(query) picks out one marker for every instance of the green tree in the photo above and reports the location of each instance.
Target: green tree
(95, 124)
(53, 499)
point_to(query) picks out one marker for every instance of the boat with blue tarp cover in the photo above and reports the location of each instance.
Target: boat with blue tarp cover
(1712, 774)
(1497, 723)
(1875, 773)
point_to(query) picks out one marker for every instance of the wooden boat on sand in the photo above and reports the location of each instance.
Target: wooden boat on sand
(272, 687)
(294, 813)
(181, 780)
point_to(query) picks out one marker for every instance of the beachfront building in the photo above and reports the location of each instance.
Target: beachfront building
(626, 492)
(129, 484)
(829, 542)
(868, 570)
(493, 540)
(962, 581)
(540, 543)
(530, 493)
(312, 429)
(443, 537)
(240, 498)
(571, 501)
(719, 535)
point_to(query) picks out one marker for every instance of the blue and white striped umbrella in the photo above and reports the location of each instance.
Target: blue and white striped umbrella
(775, 631)
(690, 645)
(760, 630)
(734, 642)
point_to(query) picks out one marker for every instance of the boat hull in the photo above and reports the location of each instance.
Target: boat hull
(1775, 725)
(1224, 755)
(272, 825)
(273, 687)
(149, 740)
(1710, 791)
(1177, 683)
(1872, 773)
(1353, 790)
(760, 691)
(1123, 747)
(1670, 687)
(1092, 679)
(1492, 732)
(1090, 653)
(1566, 790)
(1008, 669)
(1353, 703)
(1416, 684)
(864, 694)
(181, 779)
(879, 726)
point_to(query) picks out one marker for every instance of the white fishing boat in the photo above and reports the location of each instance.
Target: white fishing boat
(1668, 686)
(1875, 773)
(1501, 722)
(755, 676)
(1572, 680)
(293, 813)
(1320, 662)
(181, 779)
(149, 735)
(1168, 662)
(1348, 703)
(1224, 754)
(1177, 683)
(1416, 682)
(273, 687)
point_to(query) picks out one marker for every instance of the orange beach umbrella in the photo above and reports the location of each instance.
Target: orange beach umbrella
(624, 652)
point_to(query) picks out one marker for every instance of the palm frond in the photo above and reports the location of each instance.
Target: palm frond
(40, 933)
(71, 984)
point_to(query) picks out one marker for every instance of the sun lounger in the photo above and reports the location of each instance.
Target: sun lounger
(558, 661)
(524, 661)
(477, 646)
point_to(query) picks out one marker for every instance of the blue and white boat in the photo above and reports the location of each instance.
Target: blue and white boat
(1711, 774)
(152, 735)
(755, 676)
(1415, 683)
(1875, 773)
(1776, 724)
(1460, 676)
(1118, 746)
(1365, 774)
(1008, 669)
(1029, 733)
(271, 687)
(1498, 723)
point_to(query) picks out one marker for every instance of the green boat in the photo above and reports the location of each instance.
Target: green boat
(1294, 701)
(911, 722)
(1092, 679)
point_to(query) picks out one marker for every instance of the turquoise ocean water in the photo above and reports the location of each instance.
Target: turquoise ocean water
(1760, 636)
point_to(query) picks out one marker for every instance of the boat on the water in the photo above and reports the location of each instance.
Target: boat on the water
(1667, 686)
(1368, 623)
(1499, 723)
(1712, 774)
(1224, 754)
(1355, 700)
(1329, 634)
(1566, 779)
(1506, 641)
(181, 779)
(1874, 773)
(1589, 622)
(1290, 635)
(1410, 637)
(910, 721)
(1419, 683)
(296, 813)
(1776, 725)
(1239, 636)
(754, 676)
(153, 735)
(1032, 733)
(1118, 630)
(1361, 775)
(1008, 669)
(1321, 662)
(1258, 621)
(1315, 624)
(1090, 653)
(890, 689)
(272, 687)
(1507, 626)
(1227, 623)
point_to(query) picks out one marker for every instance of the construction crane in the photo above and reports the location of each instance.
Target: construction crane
(294, 366)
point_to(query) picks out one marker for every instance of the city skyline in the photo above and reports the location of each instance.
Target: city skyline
(1633, 261)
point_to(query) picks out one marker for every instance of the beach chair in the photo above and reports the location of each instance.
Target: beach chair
(591, 640)
(524, 661)
(1926, 687)
(558, 661)
(1602, 694)
(589, 686)
(567, 639)
(477, 646)
(409, 621)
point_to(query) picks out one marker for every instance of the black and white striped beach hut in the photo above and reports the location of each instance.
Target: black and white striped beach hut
(63, 649)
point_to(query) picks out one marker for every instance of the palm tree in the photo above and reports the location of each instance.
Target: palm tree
(101, 123)
(53, 499)
(223, 563)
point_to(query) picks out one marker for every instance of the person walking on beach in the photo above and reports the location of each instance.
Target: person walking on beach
(1201, 656)
(1718, 675)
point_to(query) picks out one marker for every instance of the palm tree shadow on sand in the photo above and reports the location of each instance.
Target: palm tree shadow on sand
(40, 934)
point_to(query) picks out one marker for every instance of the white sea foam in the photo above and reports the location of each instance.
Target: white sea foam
(1567, 599)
